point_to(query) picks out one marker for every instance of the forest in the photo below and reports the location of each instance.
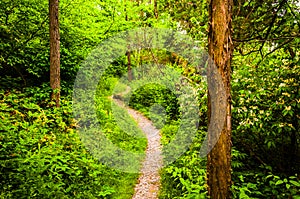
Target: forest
(161, 99)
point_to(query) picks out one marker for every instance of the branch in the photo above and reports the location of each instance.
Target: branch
(271, 25)
(113, 20)
(293, 13)
(278, 47)
(36, 31)
(270, 39)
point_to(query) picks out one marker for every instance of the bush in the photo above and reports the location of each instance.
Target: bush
(41, 155)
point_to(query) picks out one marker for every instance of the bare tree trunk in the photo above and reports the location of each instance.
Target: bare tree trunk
(54, 51)
(129, 65)
(128, 53)
(220, 51)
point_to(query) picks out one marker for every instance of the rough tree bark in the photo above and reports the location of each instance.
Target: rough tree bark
(220, 51)
(54, 51)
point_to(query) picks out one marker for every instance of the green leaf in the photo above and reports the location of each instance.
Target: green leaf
(243, 195)
(279, 182)
(297, 184)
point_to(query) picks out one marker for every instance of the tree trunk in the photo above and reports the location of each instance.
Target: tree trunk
(155, 9)
(220, 51)
(54, 51)
(128, 54)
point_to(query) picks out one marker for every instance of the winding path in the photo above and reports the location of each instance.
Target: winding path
(149, 180)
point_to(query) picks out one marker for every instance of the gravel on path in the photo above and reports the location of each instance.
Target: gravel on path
(149, 180)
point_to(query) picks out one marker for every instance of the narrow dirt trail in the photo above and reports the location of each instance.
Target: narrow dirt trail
(149, 180)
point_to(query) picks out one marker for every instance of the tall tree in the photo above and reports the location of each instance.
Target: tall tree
(220, 51)
(54, 51)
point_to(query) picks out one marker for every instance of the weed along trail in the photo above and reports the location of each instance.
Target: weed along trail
(149, 180)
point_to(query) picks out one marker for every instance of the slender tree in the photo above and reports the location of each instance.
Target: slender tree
(54, 51)
(220, 51)
(128, 54)
(155, 9)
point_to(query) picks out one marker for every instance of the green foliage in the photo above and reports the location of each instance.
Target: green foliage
(185, 178)
(41, 155)
(111, 127)
(190, 16)
(266, 112)
(23, 30)
(265, 127)
(263, 98)
(143, 98)
(83, 25)
(258, 184)
(263, 27)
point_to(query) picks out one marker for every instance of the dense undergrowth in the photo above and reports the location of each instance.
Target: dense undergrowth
(42, 156)
(265, 155)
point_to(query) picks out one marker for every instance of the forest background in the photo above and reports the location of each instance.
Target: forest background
(41, 155)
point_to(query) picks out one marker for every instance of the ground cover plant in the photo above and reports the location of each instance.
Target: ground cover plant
(41, 152)
(42, 155)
